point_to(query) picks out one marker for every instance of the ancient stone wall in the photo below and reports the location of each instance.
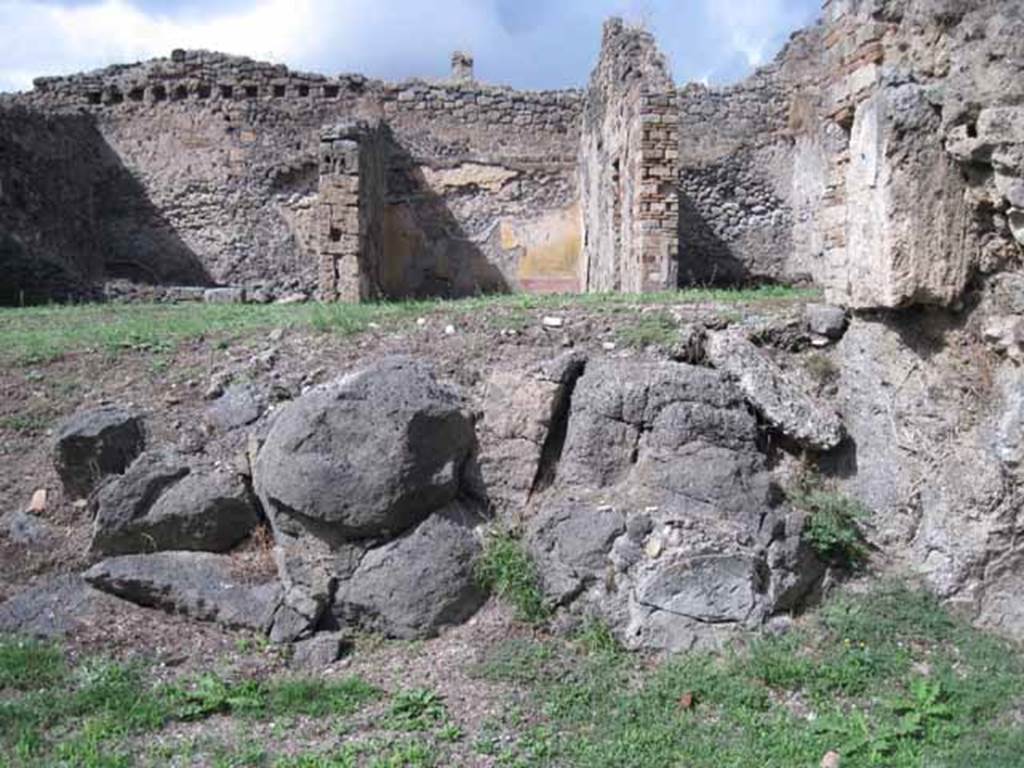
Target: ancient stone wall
(482, 190)
(628, 158)
(74, 213)
(227, 150)
(749, 176)
(918, 198)
(51, 239)
(350, 211)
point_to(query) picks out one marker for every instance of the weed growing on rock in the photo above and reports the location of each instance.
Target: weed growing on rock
(505, 569)
(833, 524)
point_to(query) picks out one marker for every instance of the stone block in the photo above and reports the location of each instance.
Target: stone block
(224, 295)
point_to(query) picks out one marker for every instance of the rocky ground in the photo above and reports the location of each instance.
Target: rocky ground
(178, 385)
(577, 410)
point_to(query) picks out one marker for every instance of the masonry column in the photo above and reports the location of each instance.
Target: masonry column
(657, 214)
(629, 159)
(351, 203)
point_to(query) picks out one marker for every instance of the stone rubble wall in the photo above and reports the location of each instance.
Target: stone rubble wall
(48, 215)
(751, 175)
(878, 156)
(226, 149)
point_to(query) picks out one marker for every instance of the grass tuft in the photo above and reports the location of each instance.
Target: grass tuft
(888, 678)
(506, 570)
(30, 664)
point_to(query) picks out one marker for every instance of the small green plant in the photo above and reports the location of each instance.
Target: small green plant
(318, 698)
(450, 732)
(596, 639)
(28, 422)
(833, 524)
(506, 569)
(418, 709)
(210, 695)
(924, 709)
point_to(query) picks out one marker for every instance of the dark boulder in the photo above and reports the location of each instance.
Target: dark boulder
(94, 444)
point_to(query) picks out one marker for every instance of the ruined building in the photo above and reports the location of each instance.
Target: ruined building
(874, 157)
(880, 157)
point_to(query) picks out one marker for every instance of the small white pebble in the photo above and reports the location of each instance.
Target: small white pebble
(421, 321)
(608, 346)
(449, 330)
(552, 322)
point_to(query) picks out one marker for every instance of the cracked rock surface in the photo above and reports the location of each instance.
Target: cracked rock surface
(662, 519)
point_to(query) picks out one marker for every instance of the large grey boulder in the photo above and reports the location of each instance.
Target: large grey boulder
(662, 519)
(200, 585)
(162, 503)
(370, 454)
(346, 470)
(417, 584)
(783, 397)
(96, 443)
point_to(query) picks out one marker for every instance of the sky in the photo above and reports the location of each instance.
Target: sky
(523, 43)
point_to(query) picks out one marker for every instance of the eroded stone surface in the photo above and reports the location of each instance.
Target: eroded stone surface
(662, 519)
(162, 503)
(200, 585)
(524, 415)
(54, 607)
(96, 443)
(784, 398)
(418, 583)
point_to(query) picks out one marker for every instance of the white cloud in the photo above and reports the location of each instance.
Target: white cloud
(41, 38)
(530, 43)
(752, 27)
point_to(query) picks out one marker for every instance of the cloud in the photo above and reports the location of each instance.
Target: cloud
(754, 27)
(527, 43)
(43, 38)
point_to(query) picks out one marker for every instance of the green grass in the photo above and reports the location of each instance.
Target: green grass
(83, 716)
(658, 329)
(38, 335)
(885, 679)
(29, 422)
(418, 709)
(28, 664)
(506, 570)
